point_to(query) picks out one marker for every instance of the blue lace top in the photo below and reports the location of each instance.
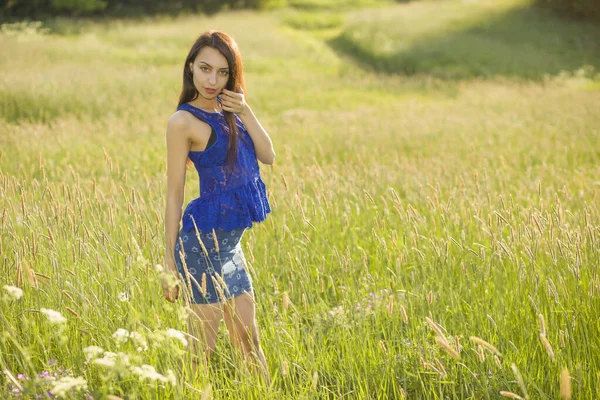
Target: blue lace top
(229, 198)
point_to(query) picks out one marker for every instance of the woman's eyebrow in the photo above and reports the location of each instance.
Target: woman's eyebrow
(204, 62)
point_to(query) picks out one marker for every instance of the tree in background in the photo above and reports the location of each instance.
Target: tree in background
(580, 9)
(41, 9)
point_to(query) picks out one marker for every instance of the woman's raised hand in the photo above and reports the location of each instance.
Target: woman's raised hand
(233, 102)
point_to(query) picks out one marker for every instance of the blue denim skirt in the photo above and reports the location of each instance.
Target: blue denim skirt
(212, 266)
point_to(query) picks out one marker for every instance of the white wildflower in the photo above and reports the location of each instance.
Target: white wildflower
(67, 383)
(171, 377)
(124, 296)
(105, 362)
(159, 268)
(14, 292)
(156, 338)
(139, 340)
(121, 336)
(92, 352)
(148, 372)
(53, 316)
(111, 359)
(123, 358)
(175, 334)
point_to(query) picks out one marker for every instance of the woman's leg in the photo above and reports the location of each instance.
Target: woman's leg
(203, 323)
(241, 323)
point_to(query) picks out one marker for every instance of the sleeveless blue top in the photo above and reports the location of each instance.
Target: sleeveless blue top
(229, 198)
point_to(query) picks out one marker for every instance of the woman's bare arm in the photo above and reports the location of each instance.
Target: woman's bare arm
(178, 146)
(236, 103)
(262, 142)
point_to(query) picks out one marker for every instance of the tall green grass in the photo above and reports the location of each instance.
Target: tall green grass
(505, 38)
(471, 202)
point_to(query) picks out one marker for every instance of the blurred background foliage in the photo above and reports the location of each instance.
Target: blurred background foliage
(43, 9)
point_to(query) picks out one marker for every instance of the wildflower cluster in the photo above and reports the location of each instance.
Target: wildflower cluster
(121, 365)
(13, 292)
(51, 382)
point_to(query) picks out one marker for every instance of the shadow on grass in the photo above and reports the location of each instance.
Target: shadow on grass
(527, 43)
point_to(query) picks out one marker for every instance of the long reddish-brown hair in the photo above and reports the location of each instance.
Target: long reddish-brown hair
(228, 48)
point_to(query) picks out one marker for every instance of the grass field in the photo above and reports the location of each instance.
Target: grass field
(437, 181)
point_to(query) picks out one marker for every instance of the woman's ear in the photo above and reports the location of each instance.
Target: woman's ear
(191, 65)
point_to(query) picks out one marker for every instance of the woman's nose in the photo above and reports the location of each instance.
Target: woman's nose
(212, 79)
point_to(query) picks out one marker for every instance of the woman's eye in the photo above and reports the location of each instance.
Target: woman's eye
(224, 72)
(203, 69)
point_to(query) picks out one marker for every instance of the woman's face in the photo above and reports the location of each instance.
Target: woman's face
(210, 71)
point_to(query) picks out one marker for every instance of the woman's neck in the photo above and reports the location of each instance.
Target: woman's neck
(211, 105)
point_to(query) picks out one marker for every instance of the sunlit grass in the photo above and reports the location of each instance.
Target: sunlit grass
(481, 38)
(413, 219)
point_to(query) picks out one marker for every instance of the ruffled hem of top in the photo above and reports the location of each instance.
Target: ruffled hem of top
(235, 208)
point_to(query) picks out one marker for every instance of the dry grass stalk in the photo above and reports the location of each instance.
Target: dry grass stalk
(487, 345)
(19, 275)
(13, 379)
(31, 277)
(457, 345)
(430, 297)
(432, 367)
(390, 304)
(67, 295)
(447, 347)
(382, 346)
(369, 196)
(216, 240)
(436, 329)
(520, 380)
(42, 275)
(203, 287)
(285, 368)
(198, 237)
(285, 303)
(497, 361)
(222, 283)
(547, 346)
(75, 313)
(565, 384)
(207, 392)
(185, 268)
(561, 337)
(218, 288)
(510, 395)
(315, 380)
(480, 353)
(542, 324)
(441, 368)
(403, 314)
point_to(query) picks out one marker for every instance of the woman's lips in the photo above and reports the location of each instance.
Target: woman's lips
(210, 91)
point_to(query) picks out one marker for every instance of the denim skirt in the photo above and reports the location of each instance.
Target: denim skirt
(212, 265)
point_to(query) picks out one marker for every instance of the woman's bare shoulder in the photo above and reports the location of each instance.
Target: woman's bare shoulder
(183, 121)
(180, 119)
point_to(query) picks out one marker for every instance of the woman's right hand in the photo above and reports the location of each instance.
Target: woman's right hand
(170, 282)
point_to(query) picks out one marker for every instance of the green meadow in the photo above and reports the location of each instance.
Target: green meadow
(435, 226)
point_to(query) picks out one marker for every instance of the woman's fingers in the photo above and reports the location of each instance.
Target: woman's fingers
(172, 294)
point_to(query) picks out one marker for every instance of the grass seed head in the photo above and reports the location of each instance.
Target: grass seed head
(510, 395)
(547, 346)
(444, 344)
(403, 314)
(565, 384)
(487, 345)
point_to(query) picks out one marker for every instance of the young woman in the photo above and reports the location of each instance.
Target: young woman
(217, 131)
